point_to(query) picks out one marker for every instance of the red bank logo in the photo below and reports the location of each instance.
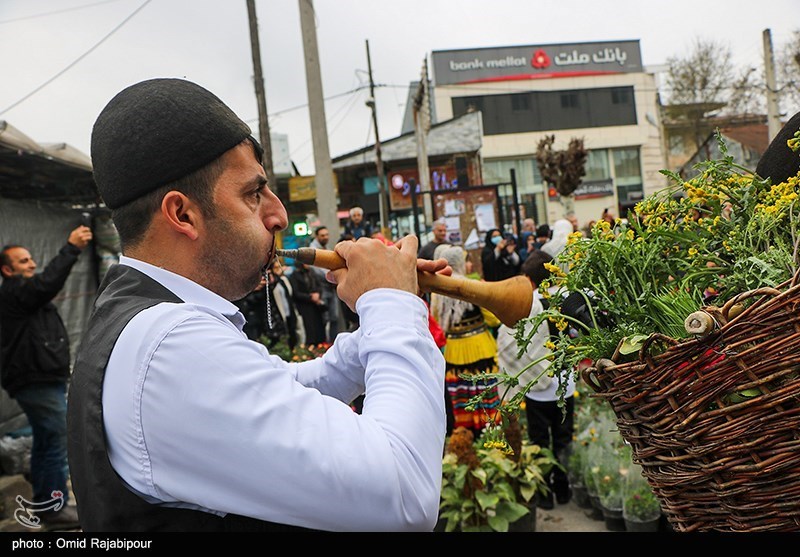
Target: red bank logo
(540, 60)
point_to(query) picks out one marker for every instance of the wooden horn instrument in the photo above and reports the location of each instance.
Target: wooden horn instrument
(509, 300)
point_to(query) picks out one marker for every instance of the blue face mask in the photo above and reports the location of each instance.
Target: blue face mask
(496, 239)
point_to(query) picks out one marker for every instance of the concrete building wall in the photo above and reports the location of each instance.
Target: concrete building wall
(646, 134)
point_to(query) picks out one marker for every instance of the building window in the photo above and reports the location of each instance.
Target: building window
(551, 110)
(520, 102)
(569, 100)
(627, 168)
(530, 189)
(597, 167)
(621, 95)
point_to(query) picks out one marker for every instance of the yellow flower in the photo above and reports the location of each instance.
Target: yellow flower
(554, 269)
(574, 237)
(692, 252)
(503, 446)
(550, 345)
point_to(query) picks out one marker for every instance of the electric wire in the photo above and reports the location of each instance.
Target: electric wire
(74, 62)
(55, 12)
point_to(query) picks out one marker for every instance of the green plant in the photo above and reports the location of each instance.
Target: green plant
(487, 485)
(609, 482)
(300, 353)
(697, 242)
(641, 505)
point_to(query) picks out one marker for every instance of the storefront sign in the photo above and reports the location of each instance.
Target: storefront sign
(442, 179)
(304, 188)
(588, 190)
(536, 61)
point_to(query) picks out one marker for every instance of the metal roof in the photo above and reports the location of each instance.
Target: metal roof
(463, 134)
(54, 172)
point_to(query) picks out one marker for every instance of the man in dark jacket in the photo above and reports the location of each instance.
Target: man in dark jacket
(35, 367)
(356, 227)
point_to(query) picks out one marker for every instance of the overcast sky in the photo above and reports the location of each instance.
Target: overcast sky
(208, 41)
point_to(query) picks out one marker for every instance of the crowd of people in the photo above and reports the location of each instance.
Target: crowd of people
(167, 353)
(475, 345)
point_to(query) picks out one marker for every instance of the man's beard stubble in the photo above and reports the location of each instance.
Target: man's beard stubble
(232, 265)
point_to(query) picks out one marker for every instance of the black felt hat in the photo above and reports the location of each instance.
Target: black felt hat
(779, 162)
(158, 131)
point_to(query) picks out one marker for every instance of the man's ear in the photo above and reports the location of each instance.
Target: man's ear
(6, 271)
(181, 214)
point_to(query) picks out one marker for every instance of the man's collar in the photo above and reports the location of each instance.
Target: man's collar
(186, 289)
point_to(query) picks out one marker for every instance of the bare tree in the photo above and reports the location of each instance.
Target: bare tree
(788, 65)
(702, 77)
(748, 93)
(562, 169)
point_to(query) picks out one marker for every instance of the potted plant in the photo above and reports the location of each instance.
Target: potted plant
(641, 509)
(491, 484)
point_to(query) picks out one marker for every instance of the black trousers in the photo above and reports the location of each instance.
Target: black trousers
(547, 427)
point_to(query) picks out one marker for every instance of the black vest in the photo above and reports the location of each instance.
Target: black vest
(104, 502)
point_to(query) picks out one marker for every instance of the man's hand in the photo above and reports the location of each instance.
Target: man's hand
(80, 237)
(371, 264)
(439, 266)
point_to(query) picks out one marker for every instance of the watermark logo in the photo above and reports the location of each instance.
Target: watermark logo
(26, 514)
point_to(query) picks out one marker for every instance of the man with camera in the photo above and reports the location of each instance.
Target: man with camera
(36, 364)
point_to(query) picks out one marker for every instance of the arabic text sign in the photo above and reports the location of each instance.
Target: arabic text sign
(588, 190)
(530, 62)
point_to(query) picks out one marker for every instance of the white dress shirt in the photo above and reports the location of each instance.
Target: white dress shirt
(198, 416)
(544, 390)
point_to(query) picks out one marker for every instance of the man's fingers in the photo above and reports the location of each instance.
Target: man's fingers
(439, 266)
(408, 244)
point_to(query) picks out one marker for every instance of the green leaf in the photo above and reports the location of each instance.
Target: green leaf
(512, 511)
(632, 344)
(486, 500)
(498, 523)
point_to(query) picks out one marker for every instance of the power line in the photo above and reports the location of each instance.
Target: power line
(299, 106)
(348, 105)
(81, 57)
(43, 14)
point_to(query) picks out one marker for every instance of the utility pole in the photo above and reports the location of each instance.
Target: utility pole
(261, 98)
(773, 114)
(422, 125)
(383, 194)
(326, 194)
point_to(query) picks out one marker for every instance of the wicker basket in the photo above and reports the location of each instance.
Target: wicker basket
(715, 421)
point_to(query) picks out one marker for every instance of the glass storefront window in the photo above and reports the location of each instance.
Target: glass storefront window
(627, 168)
(597, 167)
(529, 183)
(498, 172)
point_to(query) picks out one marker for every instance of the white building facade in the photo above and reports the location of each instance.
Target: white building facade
(598, 91)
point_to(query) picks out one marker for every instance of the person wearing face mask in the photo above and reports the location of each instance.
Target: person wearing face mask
(499, 257)
(176, 420)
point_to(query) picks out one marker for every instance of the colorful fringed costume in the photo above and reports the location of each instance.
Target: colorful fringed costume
(470, 351)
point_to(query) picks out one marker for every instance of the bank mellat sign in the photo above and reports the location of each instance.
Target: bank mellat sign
(535, 62)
